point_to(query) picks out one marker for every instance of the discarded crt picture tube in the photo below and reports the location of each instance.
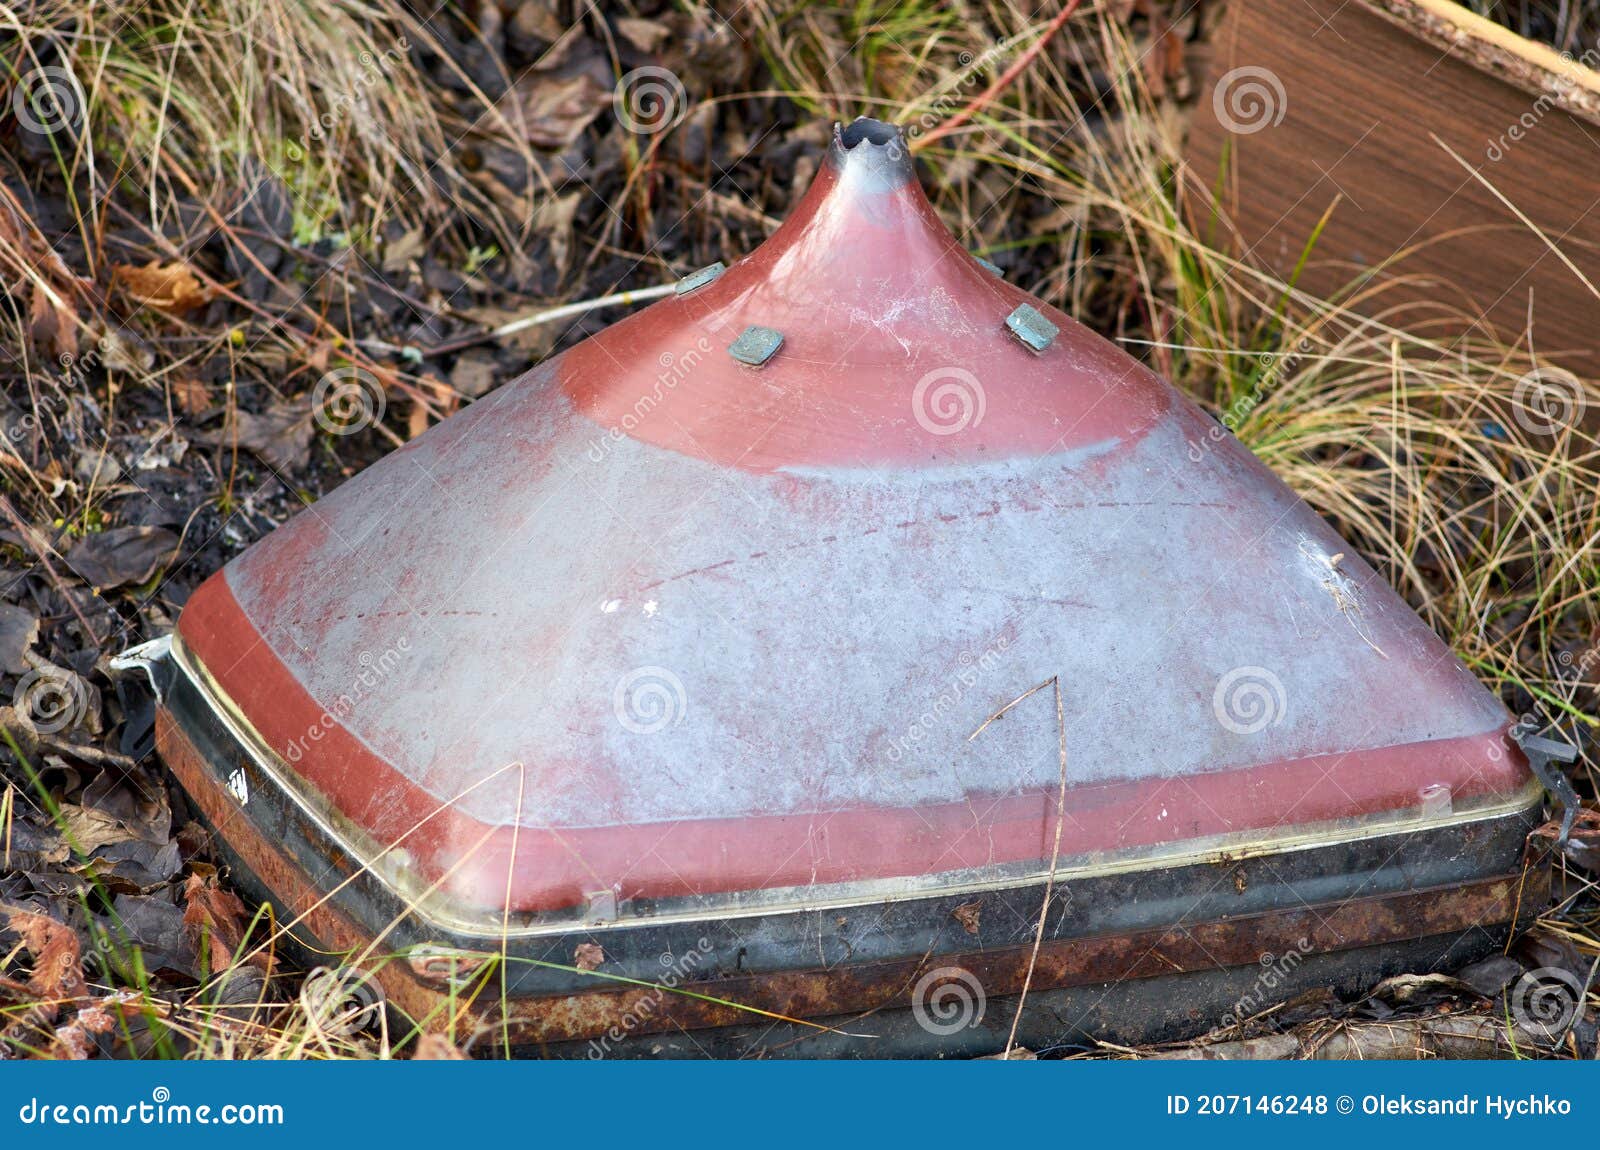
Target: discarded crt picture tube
(685, 644)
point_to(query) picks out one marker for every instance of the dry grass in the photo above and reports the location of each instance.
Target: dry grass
(1567, 25)
(187, 102)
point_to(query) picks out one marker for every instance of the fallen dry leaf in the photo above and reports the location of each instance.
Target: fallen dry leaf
(967, 915)
(191, 395)
(57, 975)
(474, 373)
(400, 252)
(279, 436)
(556, 111)
(588, 956)
(53, 324)
(92, 829)
(537, 18)
(122, 555)
(123, 352)
(75, 1040)
(172, 287)
(554, 219)
(19, 631)
(643, 34)
(217, 923)
(125, 794)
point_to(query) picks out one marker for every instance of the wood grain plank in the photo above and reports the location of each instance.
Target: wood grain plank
(1356, 108)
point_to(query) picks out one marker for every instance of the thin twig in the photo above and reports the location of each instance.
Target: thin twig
(1055, 848)
(1018, 66)
(549, 315)
(1000, 714)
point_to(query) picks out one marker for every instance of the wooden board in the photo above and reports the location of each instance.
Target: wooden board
(1309, 102)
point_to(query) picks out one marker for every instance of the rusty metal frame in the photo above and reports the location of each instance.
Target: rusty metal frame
(1423, 890)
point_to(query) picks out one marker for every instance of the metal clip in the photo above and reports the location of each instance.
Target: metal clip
(154, 658)
(699, 279)
(1028, 324)
(601, 908)
(1542, 755)
(443, 964)
(756, 345)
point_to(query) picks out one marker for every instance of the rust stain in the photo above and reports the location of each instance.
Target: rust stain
(421, 987)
